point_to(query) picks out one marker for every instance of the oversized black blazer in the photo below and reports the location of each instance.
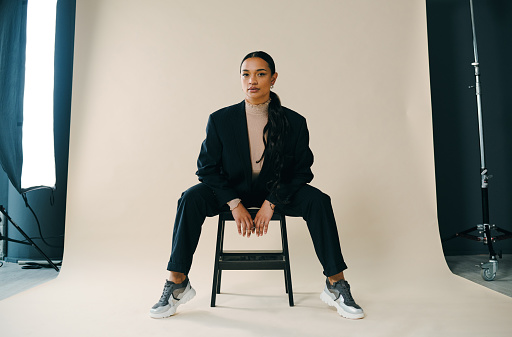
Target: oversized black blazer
(224, 162)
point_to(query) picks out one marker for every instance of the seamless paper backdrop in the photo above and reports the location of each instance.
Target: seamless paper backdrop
(148, 74)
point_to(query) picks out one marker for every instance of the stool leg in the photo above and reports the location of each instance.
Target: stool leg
(285, 281)
(219, 275)
(216, 271)
(287, 271)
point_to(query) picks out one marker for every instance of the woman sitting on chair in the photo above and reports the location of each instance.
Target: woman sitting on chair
(256, 154)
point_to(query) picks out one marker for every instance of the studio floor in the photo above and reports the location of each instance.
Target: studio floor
(250, 304)
(16, 280)
(468, 267)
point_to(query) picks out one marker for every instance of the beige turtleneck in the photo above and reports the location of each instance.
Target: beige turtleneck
(257, 117)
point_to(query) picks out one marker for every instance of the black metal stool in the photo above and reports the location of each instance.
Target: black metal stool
(251, 260)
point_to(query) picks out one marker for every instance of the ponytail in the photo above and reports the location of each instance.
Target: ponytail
(276, 130)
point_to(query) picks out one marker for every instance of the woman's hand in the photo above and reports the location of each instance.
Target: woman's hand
(263, 218)
(243, 220)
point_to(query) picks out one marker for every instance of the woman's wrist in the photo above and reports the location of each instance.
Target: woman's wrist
(234, 203)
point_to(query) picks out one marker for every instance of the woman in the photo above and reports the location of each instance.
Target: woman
(256, 154)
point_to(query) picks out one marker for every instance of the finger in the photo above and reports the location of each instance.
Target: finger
(255, 225)
(248, 224)
(265, 228)
(249, 228)
(260, 226)
(239, 226)
(244, 227)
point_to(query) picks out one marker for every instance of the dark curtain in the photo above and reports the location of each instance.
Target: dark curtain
(13, 16)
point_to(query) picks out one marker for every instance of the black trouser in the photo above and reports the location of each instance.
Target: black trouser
(308, 202)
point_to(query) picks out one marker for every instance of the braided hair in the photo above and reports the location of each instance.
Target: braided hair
(276, 128)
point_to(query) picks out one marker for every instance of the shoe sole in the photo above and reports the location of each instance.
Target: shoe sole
(329, 301)
(172, 310)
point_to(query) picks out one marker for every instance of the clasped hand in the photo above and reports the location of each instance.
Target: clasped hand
(247, 226)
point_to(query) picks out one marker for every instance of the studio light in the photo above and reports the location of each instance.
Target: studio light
(38, 145)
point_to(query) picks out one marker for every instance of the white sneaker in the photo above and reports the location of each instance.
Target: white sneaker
(338, 295)
(172, 296)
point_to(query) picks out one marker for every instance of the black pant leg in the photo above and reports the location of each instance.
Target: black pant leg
(315, 208)
(194, 206)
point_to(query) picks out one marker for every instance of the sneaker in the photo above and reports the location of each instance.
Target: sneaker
(338, 295)
(172, 296)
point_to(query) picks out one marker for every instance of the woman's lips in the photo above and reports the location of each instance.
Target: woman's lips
(253, 89)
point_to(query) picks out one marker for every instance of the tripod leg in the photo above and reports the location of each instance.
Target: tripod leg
(485, 215)
(32, 243)
(490, 268)
(487, 231)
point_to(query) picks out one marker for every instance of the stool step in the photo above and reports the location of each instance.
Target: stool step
(252, 254)
(252, 265)
(252, 260)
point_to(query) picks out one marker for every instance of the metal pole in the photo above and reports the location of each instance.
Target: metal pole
(484, 176)
(477, 90)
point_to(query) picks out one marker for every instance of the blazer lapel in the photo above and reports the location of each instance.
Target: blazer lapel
(242, 140)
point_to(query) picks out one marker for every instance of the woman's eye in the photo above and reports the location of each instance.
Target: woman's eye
(261, 74)
(245, 75)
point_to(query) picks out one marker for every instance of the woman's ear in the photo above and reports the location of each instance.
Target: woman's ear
(273, 79)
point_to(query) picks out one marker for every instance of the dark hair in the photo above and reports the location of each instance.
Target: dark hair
(276, 128)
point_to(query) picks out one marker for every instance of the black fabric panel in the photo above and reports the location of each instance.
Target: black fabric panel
(455, 121)
(13, 16)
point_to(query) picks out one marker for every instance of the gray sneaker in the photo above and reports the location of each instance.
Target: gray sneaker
(338, 295)
(172, 296)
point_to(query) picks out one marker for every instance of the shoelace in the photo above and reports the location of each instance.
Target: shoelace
(166, 293)
(347, 296)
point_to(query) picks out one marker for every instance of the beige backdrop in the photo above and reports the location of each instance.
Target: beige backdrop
(148, 73)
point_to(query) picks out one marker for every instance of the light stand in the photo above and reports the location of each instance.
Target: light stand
(30, 242)
(489, 268)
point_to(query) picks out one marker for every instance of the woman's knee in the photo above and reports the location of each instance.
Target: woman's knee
(191, 193)
(198, 196)
(314, 195)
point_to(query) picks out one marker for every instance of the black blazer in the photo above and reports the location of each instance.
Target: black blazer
(224, 163)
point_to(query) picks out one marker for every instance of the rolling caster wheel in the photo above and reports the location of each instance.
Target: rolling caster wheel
(487, 274)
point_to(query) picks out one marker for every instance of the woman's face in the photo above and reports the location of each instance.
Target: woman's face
(256, 80)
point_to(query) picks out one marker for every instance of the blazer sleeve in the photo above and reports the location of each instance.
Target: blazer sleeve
(299, 172)
(209, 165)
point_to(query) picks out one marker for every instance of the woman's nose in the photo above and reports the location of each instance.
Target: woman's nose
(253, 80)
